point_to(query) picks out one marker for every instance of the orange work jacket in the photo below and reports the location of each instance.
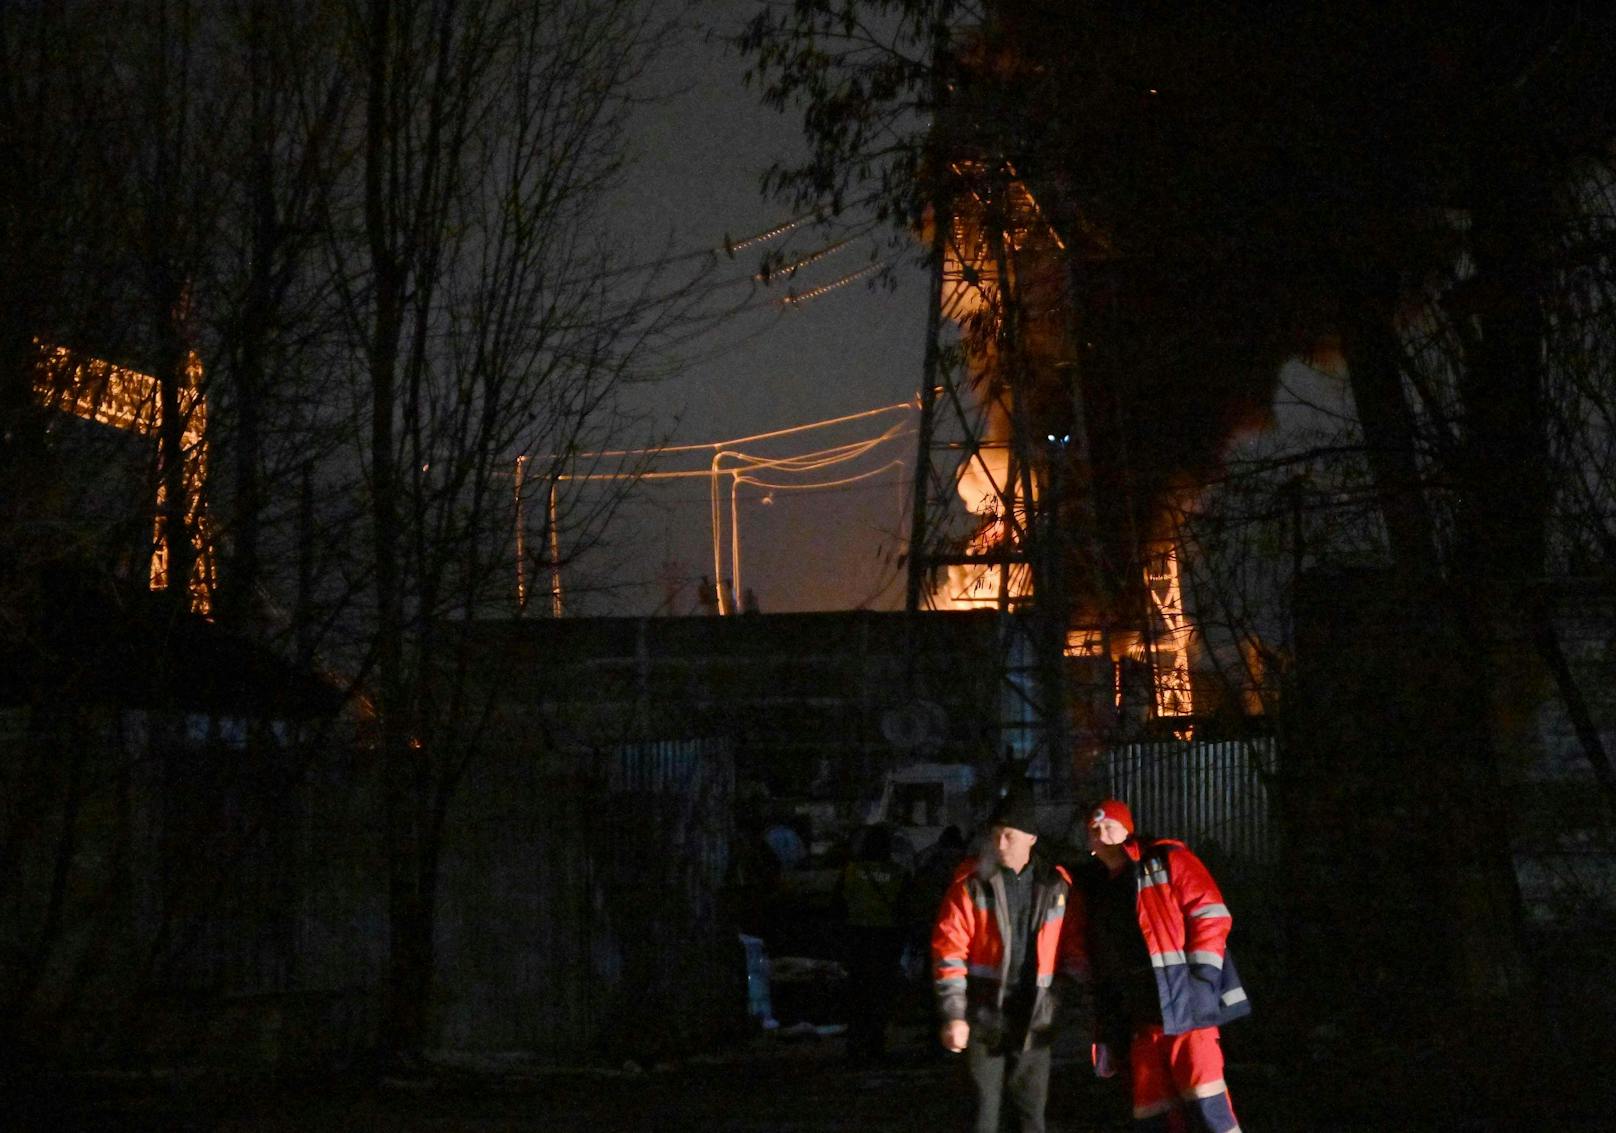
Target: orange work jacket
(969, 956)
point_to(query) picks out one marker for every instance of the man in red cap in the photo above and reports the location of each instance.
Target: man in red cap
(1155, 928)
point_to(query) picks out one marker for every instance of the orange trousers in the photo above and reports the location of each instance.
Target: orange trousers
(1178, 1082)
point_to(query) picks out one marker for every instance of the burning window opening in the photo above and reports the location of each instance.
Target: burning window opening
(93, 389)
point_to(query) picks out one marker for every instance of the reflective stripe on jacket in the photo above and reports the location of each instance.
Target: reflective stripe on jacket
(968, 950)
(1185, 925)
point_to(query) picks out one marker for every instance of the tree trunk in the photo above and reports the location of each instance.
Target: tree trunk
(1374, 364)
(1501, 534)
(401, 1025)
(237, 599)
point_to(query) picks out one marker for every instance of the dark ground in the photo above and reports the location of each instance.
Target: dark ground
(772, 1082)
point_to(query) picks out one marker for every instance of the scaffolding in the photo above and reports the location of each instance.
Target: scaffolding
(1004, 513)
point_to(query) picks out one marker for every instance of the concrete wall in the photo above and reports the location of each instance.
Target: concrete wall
(810, 703)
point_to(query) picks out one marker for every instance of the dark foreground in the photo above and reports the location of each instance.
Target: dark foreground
(773, 1082)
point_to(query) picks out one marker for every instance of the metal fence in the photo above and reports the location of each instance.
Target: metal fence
(580, 912)
(670, 815)
(1212, 795)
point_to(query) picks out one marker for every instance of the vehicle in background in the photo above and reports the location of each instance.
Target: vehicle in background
(921, 800)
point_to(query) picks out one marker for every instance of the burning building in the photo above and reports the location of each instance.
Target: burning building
(1079, 434)
(1062, 529)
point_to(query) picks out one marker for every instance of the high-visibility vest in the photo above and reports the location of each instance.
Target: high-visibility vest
(872, 893)
(969, 957)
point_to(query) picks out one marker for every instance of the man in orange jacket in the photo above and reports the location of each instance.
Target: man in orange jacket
(1155, 930)
(1003, 966)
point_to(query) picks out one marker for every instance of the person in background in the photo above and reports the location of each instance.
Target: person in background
(935, 870)
(871, 894)
(1155, 931)
(934, 873)
(1003, 966)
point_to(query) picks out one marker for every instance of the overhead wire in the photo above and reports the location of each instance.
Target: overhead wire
(802, 463)
(738, 479)
(694, 293)
(745, 469)
(752, 438)
(746, 465)
(794, 300)
(791, 269)
(725, 247)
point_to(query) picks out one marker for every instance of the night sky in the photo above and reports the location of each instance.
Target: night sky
(702, 150)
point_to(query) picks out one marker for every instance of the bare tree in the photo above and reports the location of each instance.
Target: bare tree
(383, 226)
(483, 322)
(61, 269)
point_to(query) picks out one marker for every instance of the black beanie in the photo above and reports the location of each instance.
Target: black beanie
(1015, 809)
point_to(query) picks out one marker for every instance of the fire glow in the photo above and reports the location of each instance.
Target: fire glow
(983, 272)
(94, 389)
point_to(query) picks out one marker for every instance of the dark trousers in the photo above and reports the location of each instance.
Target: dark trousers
(872, 983)
(1020, 1075)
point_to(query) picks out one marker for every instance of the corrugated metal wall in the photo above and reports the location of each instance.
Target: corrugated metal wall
(580, 911)
(1214, 796)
